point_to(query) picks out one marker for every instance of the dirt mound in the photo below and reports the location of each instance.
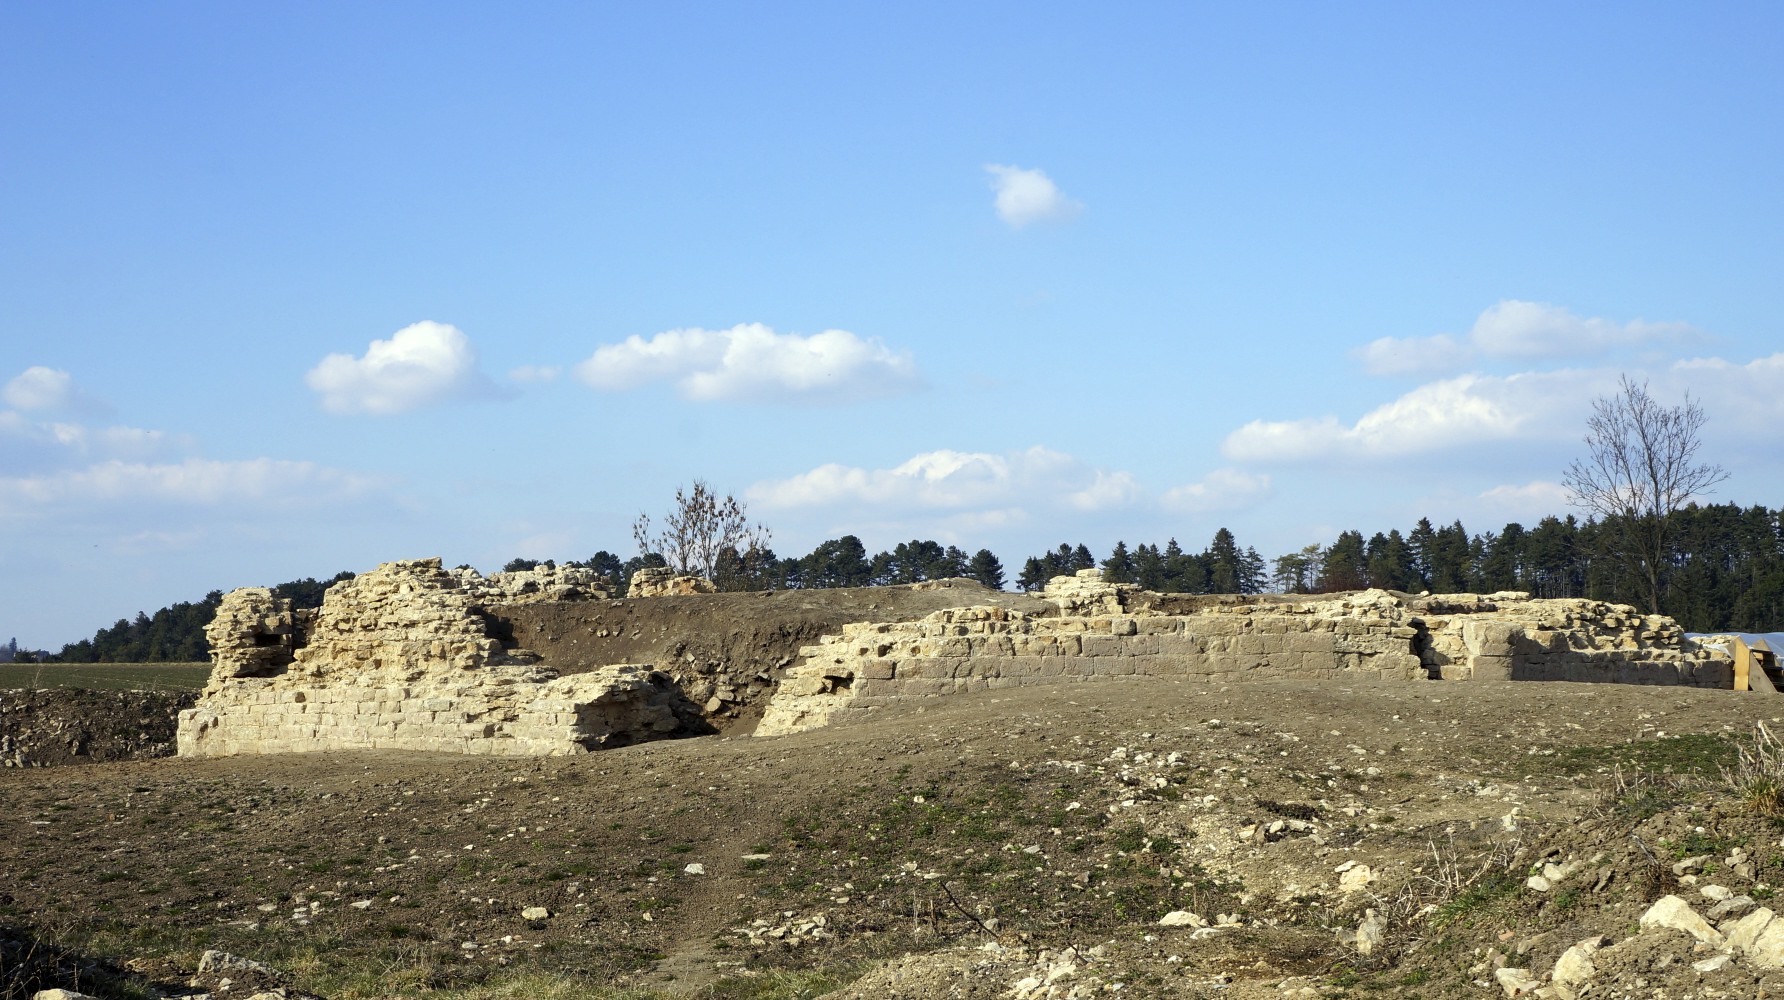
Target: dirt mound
(726, 650)
(46, 728)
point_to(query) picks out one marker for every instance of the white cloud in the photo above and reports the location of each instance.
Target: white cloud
(1514, 330)
(750, 362)
(957, 480)
(1750, 396)
(43, 389)
(38, 388)
(1538, 498)
(534, 373)
(1222, 489)
(1413, 355)
(1028, 196)
(421, 364)
(1457, 412)
(194, 482)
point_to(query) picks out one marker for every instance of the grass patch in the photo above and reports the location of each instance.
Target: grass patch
(1699, 754)
(105, 676)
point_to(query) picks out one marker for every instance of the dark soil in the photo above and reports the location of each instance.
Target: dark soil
(1030, 821)
(48, 728)
(728, 647)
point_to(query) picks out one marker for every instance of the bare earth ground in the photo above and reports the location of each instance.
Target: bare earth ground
(990, 833)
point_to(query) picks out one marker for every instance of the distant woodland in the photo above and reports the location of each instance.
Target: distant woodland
(1724, 572)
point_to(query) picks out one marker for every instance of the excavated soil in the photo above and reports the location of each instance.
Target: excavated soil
(971, 847)
(49, 728)
(726, 650)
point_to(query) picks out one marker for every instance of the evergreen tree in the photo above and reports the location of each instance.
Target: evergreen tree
(1119, 567)
(1423, 542)
(1149, 568)
(839, 562)
(1345, 564)
(1225, 575)
(1034, 576)
(986, 569)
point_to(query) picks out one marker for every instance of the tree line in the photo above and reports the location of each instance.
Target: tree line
(1722, 568)
(837, 562)
(175, 634)
(1723, 571)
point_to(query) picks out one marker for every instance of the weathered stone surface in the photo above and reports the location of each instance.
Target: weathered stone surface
(1110, 630)
(661, 582)
(1516, 982)
(403, 657)
(1575, 967)
(1675, 914)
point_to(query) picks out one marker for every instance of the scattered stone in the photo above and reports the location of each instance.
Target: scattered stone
(1715, 963)
(1356, 879)
(1575, 967)
(535, 913)
(695, 869)
(1371, 932)
(1516, 982)
(1181, 918)
(1676, 914)
(215, 960)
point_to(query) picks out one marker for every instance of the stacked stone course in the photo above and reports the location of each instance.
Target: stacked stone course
(402, 657)
(1371, 635)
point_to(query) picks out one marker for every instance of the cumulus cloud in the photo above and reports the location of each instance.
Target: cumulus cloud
(1222, 489)
(1750, 396)
(1028, 196)
(193, 482)
(750, 362)
(41, 389)
(420, 365)
(1461, 411)
(1515, 330)
(956, 480)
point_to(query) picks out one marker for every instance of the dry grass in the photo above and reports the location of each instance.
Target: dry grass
(1757, 776)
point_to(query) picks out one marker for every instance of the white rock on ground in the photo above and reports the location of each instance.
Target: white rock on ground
(1575, 967)
(1676, 914)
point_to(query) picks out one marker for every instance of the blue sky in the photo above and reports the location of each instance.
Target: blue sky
(287, 289)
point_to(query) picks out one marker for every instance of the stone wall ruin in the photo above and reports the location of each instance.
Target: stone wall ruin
(407, 657)
(416, 656)
(1115, 630)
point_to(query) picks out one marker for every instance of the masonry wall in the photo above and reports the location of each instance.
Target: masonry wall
(404, 657)
(1372, 635)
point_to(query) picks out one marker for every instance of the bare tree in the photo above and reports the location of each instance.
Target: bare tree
(701, 527)
(1640, 467)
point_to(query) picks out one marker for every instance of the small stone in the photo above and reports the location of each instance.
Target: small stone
(1371, 931)
(695, 869)
(364, 904)
(1733, 906)
(1715, 893)
(1516, 982)
(1715, 963)
(60, 995)
(1676, 914)
(1181, 918)
(1356, 879)
(1575, 967)
(1536, 883)
(535, 913)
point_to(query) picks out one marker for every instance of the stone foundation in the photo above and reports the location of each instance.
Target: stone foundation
(406, 657)
(1106, 631)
